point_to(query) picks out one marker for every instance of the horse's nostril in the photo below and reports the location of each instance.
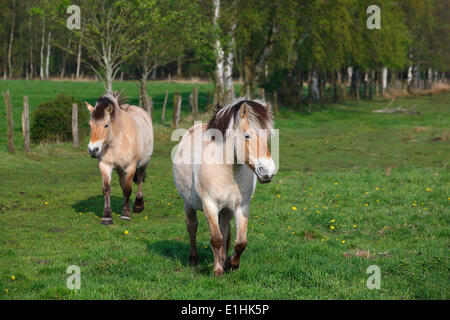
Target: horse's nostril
(95, 150)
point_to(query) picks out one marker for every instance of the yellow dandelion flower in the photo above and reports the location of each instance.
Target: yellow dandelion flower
(333, 220)
(377, 201)
(336, 183)
(424, 208)
(332, 227)
(6, 291)
(13, 277)
(413, 204)
(125, 232)
(317, 211)
(429, 189)
(325, 208)
(366, 204)
(322, 240)
(289, 227)
(377, 188)
(305, 208)
(168, 203)
(145, 218)
(293, 232)
(343, 241)
(278, 196)
(354, 226)
(294, 208)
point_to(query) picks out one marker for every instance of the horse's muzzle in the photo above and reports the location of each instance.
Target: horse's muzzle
(94, 152)
(262, 177)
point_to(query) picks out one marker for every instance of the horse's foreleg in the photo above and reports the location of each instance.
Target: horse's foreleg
(105, 171)
(192, 225)
(212, 216)
(138, 205)
(126, 178)
(241, 238)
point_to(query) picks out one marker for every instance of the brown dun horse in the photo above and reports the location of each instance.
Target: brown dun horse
(223, 189)
(121, 139)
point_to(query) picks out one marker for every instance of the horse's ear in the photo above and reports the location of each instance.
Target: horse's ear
(267, 105)
(110, 109)
(91, 108)
(243, 111)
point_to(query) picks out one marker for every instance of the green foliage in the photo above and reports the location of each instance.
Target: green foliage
(52, 120)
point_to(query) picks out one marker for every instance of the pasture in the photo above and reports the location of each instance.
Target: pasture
(354, 189)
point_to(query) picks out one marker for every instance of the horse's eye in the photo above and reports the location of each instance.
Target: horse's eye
(247, 136)
(106, 125)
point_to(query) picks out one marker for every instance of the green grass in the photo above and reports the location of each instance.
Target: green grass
(373, 171)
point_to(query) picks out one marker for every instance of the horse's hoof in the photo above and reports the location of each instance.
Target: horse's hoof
(126, 218)
(227, 264)
(218, 273)
(107, 221)
(193, 260)
(138, 208)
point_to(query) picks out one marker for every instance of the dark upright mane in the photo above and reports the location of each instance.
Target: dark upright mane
(259, 115)
(109, 99)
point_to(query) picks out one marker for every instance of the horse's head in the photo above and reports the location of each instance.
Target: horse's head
(252, 131)
(251, 123)
(100, 124)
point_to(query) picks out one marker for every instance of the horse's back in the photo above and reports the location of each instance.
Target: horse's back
(184, 170)
(145, 132)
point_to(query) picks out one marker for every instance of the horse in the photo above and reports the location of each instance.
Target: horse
(234, 154)
(121, 138)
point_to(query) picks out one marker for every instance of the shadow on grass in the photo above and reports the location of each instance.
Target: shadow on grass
(177, 250)
(94, 204)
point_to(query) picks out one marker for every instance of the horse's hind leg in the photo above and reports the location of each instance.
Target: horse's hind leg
(192, 224)
(224, 223)
(139, 178)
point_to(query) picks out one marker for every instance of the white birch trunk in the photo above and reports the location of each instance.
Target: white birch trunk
(349, 75)
(41, 67)
(47, 62)
(79, 57)
(219, 72)
(11, 38)
(410, 75)
(384, 77)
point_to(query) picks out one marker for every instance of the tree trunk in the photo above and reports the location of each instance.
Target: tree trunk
(11, 38)
(41, 67)
(219, 72)
(47, 63)
(31, 68)
(384, 78)
(79, 56)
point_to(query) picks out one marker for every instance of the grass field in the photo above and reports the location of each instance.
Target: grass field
(354, 189)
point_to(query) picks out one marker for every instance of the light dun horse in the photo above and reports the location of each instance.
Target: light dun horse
(223, 189)
(121, 139)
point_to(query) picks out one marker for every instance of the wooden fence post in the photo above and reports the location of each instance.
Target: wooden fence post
(26, 123)
(75, 125)
(176, 110)
(9, 120)
(149, 104)
(163, 113)
(195, 105)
